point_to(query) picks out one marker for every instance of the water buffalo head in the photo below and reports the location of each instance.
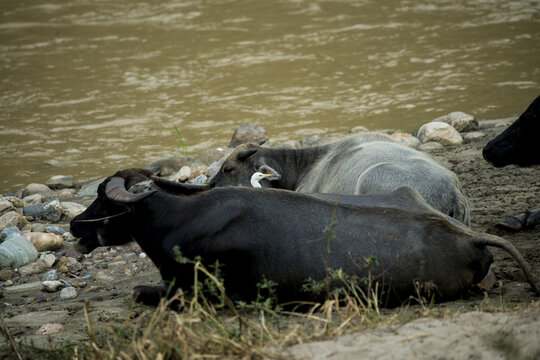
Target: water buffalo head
(106, 221)
(246, 159)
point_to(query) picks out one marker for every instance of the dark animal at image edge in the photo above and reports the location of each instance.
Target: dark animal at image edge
(361, 164)
(278, 235)
(518, 145)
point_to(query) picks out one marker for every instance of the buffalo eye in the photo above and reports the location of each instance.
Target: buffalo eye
(228, 169)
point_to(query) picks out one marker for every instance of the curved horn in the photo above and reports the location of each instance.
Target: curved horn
(181, 188)
(115, 190)
(244, 154)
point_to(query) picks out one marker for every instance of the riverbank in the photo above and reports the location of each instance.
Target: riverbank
(503, 321)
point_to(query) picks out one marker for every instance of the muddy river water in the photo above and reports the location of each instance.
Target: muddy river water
(95, 86)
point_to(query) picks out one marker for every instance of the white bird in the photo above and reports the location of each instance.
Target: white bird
(255, 178)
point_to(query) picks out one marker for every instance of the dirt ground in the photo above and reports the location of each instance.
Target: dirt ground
(494, 193)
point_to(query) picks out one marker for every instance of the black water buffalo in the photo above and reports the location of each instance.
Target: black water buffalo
(278, 235)
(363, 164)
(518, 145)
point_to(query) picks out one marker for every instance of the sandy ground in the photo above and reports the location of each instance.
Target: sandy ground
(495, 194)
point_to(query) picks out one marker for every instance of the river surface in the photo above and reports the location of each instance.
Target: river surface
(95, 86)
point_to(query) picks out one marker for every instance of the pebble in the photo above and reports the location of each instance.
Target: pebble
(7, 274)
(6, 206)
(66, 194)
(74, 266)
(41, 189)
(34, 199)
(128, 273)
(406, 139)
(49, 259)
(71, 253)
(49, 275)
(431, 145)
(55, 229)
(32, 268)
(48, 211)
(474, 135)
(117, 263)
(8, 231)
(68, 293)
(51, 328)
(52, 285)
(12, 218)
(440, 132)
(45, 241)
(71, 209)
(143, 256)
(59, 182)
(36, 285)
(459, 120)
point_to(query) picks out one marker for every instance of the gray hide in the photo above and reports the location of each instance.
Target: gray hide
(366, 164)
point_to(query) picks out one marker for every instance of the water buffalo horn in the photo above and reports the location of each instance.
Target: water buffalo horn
(244, 154)
(115, 190)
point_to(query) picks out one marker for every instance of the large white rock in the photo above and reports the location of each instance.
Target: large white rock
(459, 120)
(440, 132)
(45, 241)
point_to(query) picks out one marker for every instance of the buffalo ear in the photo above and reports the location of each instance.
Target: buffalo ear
(265, 169)
(244, 154)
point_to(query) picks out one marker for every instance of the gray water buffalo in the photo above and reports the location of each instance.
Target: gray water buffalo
(518, 145)
(278, 235)
(364, 164)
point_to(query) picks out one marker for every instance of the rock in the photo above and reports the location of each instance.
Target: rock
(59, 182)
(74, 254)
(8, 231)
(117, 263)
(291, 144)
(245, 133)
(430, 146)
(74, 267)
(12, 218)
(68, 237)
(32, 268)
(18, 203)
(474, 135)
(66, 194)
(406, 139)
(71, 209)
(68, 293)
(358, 129)
(49, 275)
(486, 124)
(55, 229)
(128, 273)
(49, 329)
(198, 171)
(33, 199)
(440, 132)
(25, 288)
(41, 189)
(90, 189)
(52, 285)
(49, 211)
(45, 241)
(201, 179)
(6, 206)
(49, 260)
(183, 174)
(7, 274)
(460, 121)
(17, 251)
(37, 227)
